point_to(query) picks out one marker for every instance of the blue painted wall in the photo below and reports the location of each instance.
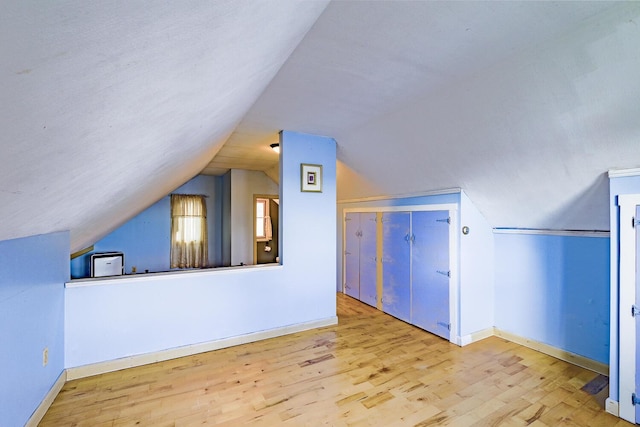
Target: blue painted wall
(121, 317)
(145, 239)
(555, 290)
(33, 271)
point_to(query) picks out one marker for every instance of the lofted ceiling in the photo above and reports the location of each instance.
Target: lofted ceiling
(108, 106)
(524, 105)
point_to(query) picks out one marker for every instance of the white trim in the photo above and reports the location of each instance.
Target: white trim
(43, 407)
(166, 275)
(343, 257)
(548, 232)
(454, 279)
(454, 190)
(612, 407)
(567, 356)
(627, 297)
(408, 208)
(620, 173)
(188, 350)
(476, 336)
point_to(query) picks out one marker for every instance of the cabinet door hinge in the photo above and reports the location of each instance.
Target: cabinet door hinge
(444, 273)
(445, 325)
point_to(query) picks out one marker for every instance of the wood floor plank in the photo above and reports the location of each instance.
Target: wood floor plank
(368, 370)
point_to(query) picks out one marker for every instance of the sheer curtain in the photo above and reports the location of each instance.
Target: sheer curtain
(189, 246)
(268, 228)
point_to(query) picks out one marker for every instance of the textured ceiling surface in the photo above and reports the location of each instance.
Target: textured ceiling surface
(108, 106)
(524, 105)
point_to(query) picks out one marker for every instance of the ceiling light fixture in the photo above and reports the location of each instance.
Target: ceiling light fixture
(275, 147)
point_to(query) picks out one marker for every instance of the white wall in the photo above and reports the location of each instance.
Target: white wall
(117, 318)
(244, 184)
(477, 276)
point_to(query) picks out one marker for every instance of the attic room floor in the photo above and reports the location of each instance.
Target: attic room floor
(369, 370)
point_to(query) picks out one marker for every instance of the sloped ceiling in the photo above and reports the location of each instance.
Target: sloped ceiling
(108, 106)
(524, 105)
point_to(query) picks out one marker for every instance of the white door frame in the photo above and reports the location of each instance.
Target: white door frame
(627, 298)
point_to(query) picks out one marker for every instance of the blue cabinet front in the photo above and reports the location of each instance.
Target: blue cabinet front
(368, 282)
(396, 259)
(430, 271)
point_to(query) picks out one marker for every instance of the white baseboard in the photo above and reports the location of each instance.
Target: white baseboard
(567, 356)
(476, 336)
(42, 409)
(575, 359)
(611, 406)
(188, 350)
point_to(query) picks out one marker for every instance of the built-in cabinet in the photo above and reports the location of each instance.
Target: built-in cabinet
(414, 259)
(360, 256)
(415, 266)
(396, 264)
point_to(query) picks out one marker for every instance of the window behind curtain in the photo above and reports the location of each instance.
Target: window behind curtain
(189, 246)
(263, 221)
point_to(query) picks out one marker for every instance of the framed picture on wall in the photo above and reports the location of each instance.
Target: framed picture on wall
(311, 178)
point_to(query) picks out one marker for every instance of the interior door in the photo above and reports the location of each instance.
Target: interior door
(627, 377)
(352, 255)
(396, 264)
(430, 271)
(637, 315)
(368, 241)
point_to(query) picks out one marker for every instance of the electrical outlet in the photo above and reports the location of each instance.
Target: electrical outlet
(45, 356)
(133, 269)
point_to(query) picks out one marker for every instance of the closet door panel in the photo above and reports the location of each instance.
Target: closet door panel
(352, 255)
(368, 277)
(396, 267)
(430, 271)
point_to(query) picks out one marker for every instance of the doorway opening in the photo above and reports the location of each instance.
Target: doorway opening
(266, 210)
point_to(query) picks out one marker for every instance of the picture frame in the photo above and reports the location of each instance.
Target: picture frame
(310, 178)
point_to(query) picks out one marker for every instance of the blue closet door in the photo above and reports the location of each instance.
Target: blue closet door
(430, 271)
(352, 255)
(368, 285)
(396, 267)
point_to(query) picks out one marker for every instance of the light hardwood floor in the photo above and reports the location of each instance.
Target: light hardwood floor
(369, 370)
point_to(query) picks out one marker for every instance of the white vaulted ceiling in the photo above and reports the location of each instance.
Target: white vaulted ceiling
(108, 106)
